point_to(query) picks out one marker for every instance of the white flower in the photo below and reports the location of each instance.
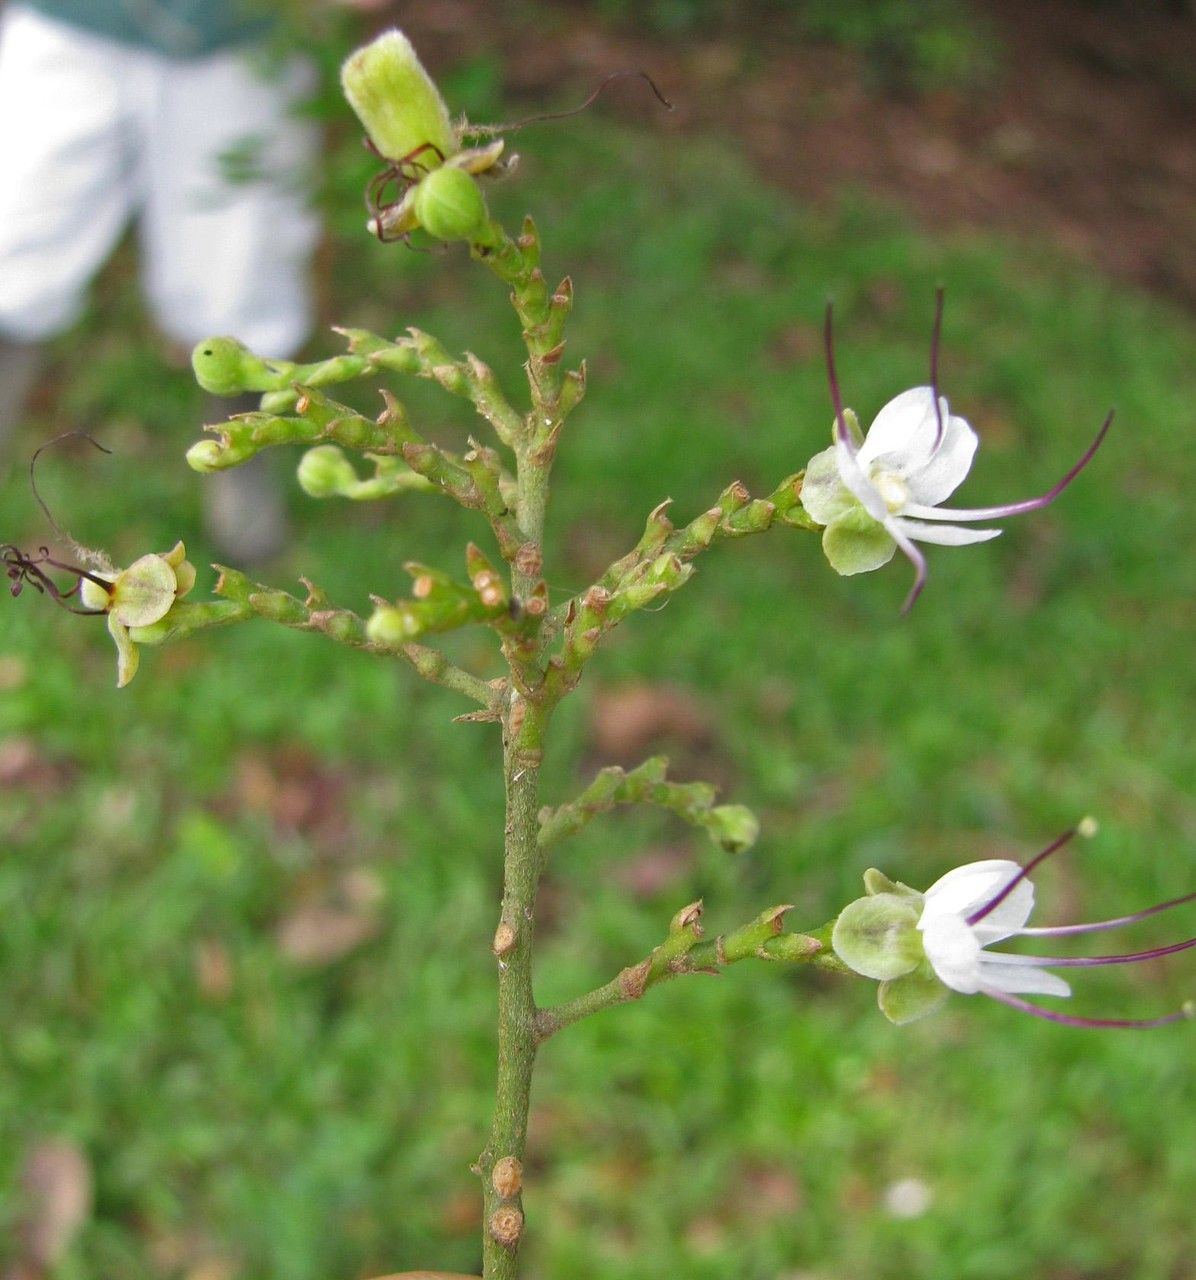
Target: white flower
(885, 492)
(920, 945)
(956, 946)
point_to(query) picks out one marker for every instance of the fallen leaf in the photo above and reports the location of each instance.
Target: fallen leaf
(56, 1183)
(428, 1275)
(213, 969)
(649, 874)
(317, 935)
(628, 719)
(25, 766)
(296, 790)
(13, 672)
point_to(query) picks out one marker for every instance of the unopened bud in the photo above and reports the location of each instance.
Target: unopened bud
(205, 456)
(325, 472)
(391, 625)
(226, 367)
(397, 102)
(733, 827)
(450, 206)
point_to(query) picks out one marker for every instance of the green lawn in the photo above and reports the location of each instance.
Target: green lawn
(289, 1121)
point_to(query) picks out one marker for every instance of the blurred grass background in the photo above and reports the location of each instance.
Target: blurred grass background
(246, 904)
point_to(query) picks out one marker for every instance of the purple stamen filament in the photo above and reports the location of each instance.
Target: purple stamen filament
(1072, 1020)
(1082, 962)
(1066, 930)
(1079, 962)
(934, 366)
(843, 436)
(836, 399)
(1036, 861)
(1015, 508)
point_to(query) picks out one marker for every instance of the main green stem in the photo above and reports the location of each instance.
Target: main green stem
(503, 1221)
(523, 724)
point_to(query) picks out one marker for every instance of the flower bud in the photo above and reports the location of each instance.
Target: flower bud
(733, 827)
(391, 625)
(450, 206)
(325, 472)
(205, 456)
(396, 101)
(878, 936)
(226, 367)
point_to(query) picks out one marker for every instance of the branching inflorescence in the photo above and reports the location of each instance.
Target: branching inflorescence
(865, 496)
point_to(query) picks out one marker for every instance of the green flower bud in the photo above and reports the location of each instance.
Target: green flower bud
(396, 101)
(226, 367)
(392, 625)
(205, 456)
(325, 472)
(450, 206)
(878, 936)
(733, 827)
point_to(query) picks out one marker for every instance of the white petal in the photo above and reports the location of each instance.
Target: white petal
(945, 535)
(1021, 978)
(965, 888)
(859, 484)
(904, 430)
(947, 468)
(953, 951)
(92, 595)
(968, 888)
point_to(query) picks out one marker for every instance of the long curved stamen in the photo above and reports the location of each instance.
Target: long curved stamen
(828, 337)
(850, 471)
(1036, 861)
(1013, 508)
(1071, 1020)
(934, 366)
(915, 557)
(1084, 962)
(1067, 930)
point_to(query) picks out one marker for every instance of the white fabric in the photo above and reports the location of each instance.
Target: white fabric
(93, 133)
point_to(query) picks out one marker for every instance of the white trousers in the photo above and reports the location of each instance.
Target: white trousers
(94, 133)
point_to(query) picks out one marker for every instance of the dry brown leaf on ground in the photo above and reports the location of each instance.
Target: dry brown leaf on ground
(628, 719)
(56, 1186)
(317, 935)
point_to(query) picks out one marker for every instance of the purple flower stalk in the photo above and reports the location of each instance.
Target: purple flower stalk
(981, 903)
(884, 492)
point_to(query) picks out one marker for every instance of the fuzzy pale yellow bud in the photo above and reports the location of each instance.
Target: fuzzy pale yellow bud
(396, 101)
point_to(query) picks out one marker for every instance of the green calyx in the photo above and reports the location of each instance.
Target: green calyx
(450, 206)
(911, 996)
(878, 936)
(856, 543)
